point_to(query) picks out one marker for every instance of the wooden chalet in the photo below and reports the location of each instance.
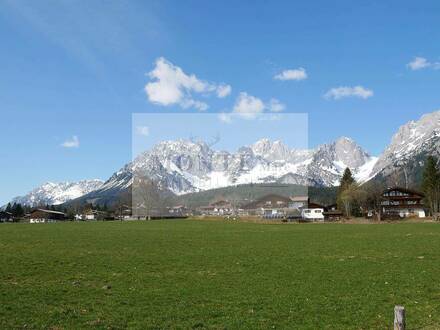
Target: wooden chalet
(42, 215)
(402, 202)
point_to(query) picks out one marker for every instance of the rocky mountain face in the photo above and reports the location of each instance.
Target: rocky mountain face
(186, 166)
(57, 193)
(402, 161)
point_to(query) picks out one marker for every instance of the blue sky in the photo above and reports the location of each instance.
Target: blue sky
(80, 69)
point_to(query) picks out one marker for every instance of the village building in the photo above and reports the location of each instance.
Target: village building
(5, 216)
(90, 215)
(331, 212)
(179, 211)
(218, 208)
(299, 202)
(268, 206)
(42, 215)
(402, 202)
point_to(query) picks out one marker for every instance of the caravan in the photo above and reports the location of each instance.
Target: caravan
(313, 214)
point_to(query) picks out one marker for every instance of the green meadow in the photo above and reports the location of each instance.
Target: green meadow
(191, 274)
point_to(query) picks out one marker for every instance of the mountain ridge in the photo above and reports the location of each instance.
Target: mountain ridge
(185, 166)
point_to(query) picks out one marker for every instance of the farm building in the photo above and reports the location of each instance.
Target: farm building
(92, 215)
(331, 212)
(5, 216)
(179, 210)
(222, 207)
(269, 206)
(42, 215)
(402, 202)
(299, 202)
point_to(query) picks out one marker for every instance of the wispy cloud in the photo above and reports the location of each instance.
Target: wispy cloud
(419, 63)
(292, 74)
(338, 93)
(170, 85)
(71, 143)
(143, 130)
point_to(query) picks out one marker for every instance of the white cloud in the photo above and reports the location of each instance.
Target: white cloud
(419, 63)
(170, 85)
(248, 106)
(223, 90)
(292, 74)
(275, 106)
(71, 143)
(344, 91)
(143, 130)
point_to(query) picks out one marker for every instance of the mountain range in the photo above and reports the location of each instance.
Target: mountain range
(51, 193)
(185, 166)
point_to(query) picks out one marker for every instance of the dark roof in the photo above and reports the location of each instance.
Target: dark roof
(404, 190)
(4, 212)
(48, 211)
(315, 206)
(220, 203)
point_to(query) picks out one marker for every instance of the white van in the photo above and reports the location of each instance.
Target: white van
(313, 214)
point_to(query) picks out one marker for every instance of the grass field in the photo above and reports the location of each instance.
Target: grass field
(208, 274)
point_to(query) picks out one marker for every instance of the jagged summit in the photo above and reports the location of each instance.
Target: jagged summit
(412, 142)
(184, 166)
(54, 193)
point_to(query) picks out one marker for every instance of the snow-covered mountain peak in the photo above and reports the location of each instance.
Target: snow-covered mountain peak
(57, 193)
(185, 166)
(411, 139)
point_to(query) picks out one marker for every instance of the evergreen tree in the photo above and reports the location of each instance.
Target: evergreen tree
(347, 184)
(9, 208)
(19, 212)
(431, 184)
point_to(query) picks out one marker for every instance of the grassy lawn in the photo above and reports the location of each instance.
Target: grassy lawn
(206, 274)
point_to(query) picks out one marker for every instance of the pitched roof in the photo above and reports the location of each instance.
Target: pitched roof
(299, 198)
(405, 190)
(49, 211)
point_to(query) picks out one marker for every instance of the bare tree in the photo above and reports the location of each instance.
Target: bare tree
(348, 197)
(372, 197)
(146, 197)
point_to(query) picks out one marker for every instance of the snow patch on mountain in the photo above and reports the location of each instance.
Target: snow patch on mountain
(51, 193)
(184, 166)
(413, 138)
